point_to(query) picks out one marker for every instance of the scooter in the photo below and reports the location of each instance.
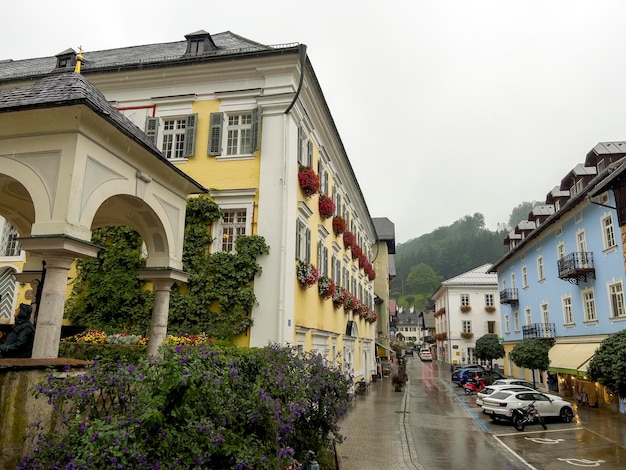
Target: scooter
(474, 386)
(528, 414)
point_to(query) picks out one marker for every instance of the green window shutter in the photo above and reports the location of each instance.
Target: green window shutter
(308, 245)
(215, 134)
(300, 139)
(152, 128)
(190, 135)
(256, 128)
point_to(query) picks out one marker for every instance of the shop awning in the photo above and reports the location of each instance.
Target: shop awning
(571, 358)
(381, 345)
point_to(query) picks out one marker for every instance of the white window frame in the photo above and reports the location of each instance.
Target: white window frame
(507, 326)
(228, 200)
(489, 300)
(465, 300)
(568, 310)
(516, 322)
(581, 241)
(467, 326)
(322, 251)
(528, 316)
(9, 244)
(616, 300)
(545, 312)
(540, 269)
(589, 305)
(524, 277)
(560, 251)
(226, 127)
(608, 232)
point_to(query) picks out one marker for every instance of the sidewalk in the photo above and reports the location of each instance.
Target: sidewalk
(375, 430)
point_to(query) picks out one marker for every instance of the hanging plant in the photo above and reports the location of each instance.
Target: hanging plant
(307, 274)
(338, 297)
(349, 239)
(326, 207)
(364, 262)
(308, 179)
(326, 287)
(349, 302)
(465, 308)
(357, 252)
(371, 274)
(339, 225)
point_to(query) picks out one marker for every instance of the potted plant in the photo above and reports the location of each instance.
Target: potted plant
(490, 309)
(326, 207)
(308, 179)
(339, 225)
(357, 252)
(325, 287)
(364, 262)
(467, 335)
(465, 308)
(338, 297)
(349, 302)
(349, 239)
(307, 274)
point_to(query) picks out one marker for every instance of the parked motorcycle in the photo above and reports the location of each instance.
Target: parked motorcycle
(528, 414)
(474, 386)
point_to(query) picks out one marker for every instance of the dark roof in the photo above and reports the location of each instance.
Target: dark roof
(385, 231)
(69, 89)
(228, 44)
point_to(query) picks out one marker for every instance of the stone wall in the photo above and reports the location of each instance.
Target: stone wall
(18, 406)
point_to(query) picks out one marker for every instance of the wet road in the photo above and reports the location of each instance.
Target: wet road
(448, 431)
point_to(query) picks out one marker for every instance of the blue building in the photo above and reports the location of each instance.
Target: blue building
(562, 280)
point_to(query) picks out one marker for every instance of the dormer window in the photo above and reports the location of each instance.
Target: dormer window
(199, 43)
(66, 59)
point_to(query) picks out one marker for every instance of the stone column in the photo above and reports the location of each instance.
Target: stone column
(160, 312)
(50, 313)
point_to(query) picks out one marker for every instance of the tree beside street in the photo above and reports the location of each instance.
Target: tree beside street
(488, 348)
(531, 354)
(608, 365)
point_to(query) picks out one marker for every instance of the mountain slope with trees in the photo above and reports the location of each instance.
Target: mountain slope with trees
(423, 262)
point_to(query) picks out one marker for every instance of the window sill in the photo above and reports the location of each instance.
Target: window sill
(177, 160)
(622, 318)
(610, 249)
(223, 158)
(590, 322)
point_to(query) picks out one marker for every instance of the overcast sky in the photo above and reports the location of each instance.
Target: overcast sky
(445, 107)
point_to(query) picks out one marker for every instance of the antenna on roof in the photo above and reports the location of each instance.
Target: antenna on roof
(79, 59)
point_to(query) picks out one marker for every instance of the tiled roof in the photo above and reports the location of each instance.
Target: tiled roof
(477, 276)
(68, 89)
(136, 56)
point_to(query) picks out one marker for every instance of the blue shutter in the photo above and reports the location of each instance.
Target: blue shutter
(256, 128)
(152, 128)
(190, 135)
(215, 134)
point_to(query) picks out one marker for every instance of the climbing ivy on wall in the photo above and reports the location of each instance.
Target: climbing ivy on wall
(216, 300)
(106, 293)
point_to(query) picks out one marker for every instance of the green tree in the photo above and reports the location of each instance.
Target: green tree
(521, 212)
(488, 348)
(423, 279)
(531, 354)
(608, 365)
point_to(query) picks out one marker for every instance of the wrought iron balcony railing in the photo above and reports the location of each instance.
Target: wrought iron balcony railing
(509, 296)
(539, 330)
(576, 267)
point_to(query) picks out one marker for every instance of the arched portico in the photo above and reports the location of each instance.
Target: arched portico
(71, 163)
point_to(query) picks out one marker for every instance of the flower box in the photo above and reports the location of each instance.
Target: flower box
(307, 274)
(465, 308)
(326, 207)
(357, 252)
(490, 309)
(349, 239)
(326, 287)
(339, 225)
(338, 297)
(309, 181)
(466, 335)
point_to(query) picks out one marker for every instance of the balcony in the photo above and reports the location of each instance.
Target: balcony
(509, 296)
(543, 331)
(576, 267)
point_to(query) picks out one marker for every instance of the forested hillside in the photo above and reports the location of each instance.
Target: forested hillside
(449, 251)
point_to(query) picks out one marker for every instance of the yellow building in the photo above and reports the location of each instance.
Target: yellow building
(244, 119)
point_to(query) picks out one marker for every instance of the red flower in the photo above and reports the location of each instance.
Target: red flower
(339, 225)
(349, 239)
(357, 252)
(309, 181)
(326, 206)
(363, 262)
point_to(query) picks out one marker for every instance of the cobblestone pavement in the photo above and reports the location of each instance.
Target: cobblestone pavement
(377, 431)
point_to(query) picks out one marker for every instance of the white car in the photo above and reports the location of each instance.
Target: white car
(499, 405)
(425, 354)
(489, 389)
(521, 382)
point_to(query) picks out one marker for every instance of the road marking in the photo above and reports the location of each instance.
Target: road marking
(544, 440)
(583, 462)
(519, 457)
